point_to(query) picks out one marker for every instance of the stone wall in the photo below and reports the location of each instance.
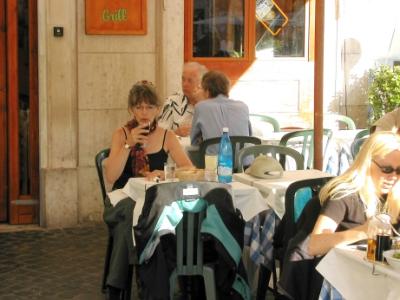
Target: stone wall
(84, 84)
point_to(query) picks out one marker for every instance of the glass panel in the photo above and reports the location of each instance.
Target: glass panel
(280, 28)
(218, 28)
(23, 92)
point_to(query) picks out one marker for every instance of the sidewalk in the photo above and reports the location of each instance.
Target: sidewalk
(53, 263)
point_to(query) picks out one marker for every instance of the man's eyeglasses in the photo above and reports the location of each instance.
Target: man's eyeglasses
(388, 169)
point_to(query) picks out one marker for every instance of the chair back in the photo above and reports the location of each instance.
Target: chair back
(297, 195)
(238, 142)
(254, 118)
(342, 119)
(362, 133)
(305, 139)
(189, 241)
(356, 146)
(100, 157)
(275, 151)
(189, 244)
(286, 241)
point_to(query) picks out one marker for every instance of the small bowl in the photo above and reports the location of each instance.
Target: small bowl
(392, 261)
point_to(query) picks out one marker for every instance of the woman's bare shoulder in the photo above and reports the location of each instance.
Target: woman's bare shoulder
(120, 133)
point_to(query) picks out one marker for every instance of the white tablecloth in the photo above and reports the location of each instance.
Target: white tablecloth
(246, 198)
(347, 270)
(273, 190)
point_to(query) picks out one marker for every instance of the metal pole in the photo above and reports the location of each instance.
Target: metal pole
(319, 83)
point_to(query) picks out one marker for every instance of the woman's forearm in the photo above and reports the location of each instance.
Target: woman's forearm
(115, 164)
(321, 243)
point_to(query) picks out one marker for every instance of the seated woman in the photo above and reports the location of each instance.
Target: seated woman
(371, 185)
(340, 216)
(139, 148)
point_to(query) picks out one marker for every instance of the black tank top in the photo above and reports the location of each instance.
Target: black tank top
(156, 162)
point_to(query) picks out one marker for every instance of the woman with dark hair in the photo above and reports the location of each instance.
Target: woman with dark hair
(138, 149)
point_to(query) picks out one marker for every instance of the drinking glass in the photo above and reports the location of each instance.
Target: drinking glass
(210, 172)
(169, 171)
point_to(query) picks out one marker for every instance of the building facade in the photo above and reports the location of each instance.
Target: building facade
(83, 82)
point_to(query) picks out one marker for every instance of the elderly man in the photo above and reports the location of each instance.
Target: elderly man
(178, 109)
(218, 111)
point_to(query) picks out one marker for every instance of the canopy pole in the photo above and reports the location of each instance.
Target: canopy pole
(319, 83)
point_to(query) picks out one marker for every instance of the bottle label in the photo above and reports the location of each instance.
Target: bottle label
(224, 171)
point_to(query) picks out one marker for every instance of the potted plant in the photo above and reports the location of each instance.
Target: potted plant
(384, 91)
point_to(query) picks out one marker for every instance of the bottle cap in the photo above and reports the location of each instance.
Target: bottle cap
(225, 129)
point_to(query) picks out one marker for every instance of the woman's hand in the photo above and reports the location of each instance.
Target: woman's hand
(156, 175)
(139, 134)
(393, 200)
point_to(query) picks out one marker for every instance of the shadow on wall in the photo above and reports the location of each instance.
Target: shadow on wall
(353, 101)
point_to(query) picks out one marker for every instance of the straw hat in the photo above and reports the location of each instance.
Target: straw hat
(265, 167)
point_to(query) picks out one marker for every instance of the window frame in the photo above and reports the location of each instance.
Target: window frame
(234, 67)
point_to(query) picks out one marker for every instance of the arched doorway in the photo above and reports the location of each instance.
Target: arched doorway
(19, 161)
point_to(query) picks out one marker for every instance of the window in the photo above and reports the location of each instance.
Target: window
(218, 28)
(280, 28)
(230, 34)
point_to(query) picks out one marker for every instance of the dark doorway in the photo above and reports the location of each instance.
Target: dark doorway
(19, 167)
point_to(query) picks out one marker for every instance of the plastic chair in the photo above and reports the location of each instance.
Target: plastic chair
(197, 200)
(305, 138)
(342, 119)
(126, 294)
(267, 119)
(297, 195)
(356, 146)
(100, 157)
(275, 151)
(362, 133)
(359, 139)
(189, 257)
(238, 142)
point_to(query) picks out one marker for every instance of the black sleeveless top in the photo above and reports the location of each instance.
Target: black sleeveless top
(156, 162)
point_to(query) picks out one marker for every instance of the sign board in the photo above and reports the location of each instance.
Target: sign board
(116, 17)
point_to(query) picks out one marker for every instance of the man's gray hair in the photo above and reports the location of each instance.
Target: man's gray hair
(201, 69)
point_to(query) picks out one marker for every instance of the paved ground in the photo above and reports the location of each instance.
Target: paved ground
(52, 264)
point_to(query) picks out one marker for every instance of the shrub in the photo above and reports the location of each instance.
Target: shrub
(384, 91)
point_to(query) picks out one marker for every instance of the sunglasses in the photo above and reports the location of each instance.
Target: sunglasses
(387, 169)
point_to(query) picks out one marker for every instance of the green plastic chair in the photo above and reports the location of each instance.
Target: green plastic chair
(275, 151)
(362, 133)
(305, 138)
(189, 254)
(342, 119)
(126, 293)
(100, 157)
(238, 142)
(356, 146)
(266, 119)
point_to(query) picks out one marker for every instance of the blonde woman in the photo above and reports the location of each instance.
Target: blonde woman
(371, 185)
